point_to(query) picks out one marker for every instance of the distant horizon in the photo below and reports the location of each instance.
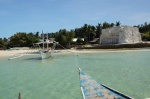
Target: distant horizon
(53, 15)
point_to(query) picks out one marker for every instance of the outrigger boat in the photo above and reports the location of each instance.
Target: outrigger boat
(46, 53)
(91, 89)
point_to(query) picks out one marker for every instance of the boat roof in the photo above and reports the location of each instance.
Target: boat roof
(49, 42)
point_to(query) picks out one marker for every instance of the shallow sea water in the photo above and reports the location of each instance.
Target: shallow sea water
(58, 77)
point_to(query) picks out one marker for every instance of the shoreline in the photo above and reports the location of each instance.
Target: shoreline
(10, 53)
(108, 50)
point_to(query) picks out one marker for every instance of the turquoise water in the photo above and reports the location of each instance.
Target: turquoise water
(57, 77)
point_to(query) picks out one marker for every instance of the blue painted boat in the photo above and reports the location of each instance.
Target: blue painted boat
(91, 89)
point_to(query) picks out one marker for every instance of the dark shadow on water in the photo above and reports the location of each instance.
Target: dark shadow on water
(38, 59)
(35, 58)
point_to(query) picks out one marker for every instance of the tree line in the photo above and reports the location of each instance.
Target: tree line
(64, 37)
(145, 31)
(20, 39)
(88, 32)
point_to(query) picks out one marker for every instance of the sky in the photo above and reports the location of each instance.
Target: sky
(53, 15)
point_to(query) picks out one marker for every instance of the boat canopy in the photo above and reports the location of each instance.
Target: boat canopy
(47, 41)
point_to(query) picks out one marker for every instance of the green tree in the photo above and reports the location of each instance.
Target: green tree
(112, 24)
(23, 39)
(79, 40)
(32, 38)
(98, 30)
(52, 35)
(64, 37)
(78, 32)
(91, 32)
(106, 25)
(118, 23)
(144, 29)
(70, 36)
(18, 40)
(5, 39)
(85, 33)
(1, 43)
(37, 34)
(6, 43)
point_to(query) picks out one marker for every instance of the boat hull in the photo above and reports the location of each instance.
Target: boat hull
(45, 54)
(91, 89)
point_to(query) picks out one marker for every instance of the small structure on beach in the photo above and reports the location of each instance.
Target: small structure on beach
(95, 41)
(120, 35)
(75, 39)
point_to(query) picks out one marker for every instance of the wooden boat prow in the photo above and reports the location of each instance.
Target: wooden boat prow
(91, 89)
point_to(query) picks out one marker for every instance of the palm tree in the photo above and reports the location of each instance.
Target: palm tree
(91, 32)
(85, 32)
(64, 37)
(1, 43)
(106, 25)
(112, 24)
(70, 36)
(118, 23)
(98, 30)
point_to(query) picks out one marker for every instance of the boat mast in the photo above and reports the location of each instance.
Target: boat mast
(47, 41)
(43, 39)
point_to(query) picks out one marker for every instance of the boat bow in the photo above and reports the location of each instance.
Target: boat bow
(91, 89)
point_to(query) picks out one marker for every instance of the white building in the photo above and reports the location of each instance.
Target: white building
(120, 35)
(75, 39)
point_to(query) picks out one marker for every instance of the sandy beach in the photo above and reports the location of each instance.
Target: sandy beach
(103, 50)
(10, 53)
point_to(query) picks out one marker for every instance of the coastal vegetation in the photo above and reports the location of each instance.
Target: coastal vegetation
(145, 31)
(20, 39)
(64, 37)
(1, 43)
(23, 39)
